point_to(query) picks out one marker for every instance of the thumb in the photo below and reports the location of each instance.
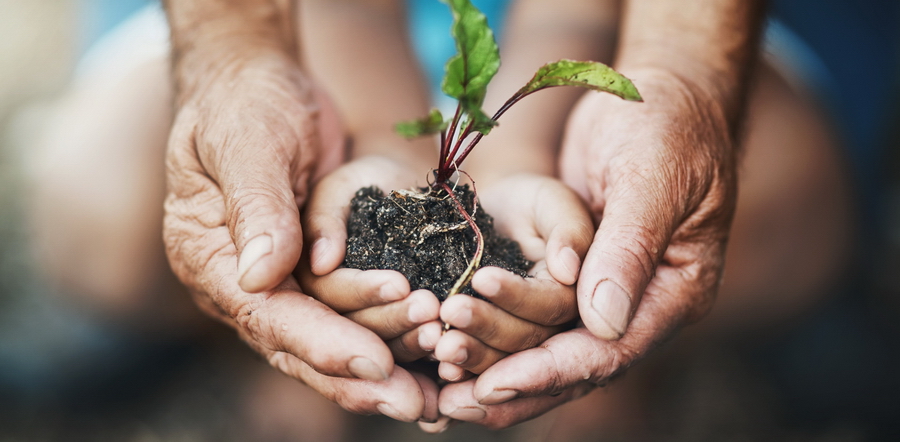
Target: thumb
(633, 235)
(566, 224)
(262, 190)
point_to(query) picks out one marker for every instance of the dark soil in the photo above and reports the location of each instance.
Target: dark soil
(425, 237)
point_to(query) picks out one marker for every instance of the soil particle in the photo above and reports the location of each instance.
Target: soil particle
(425, 237)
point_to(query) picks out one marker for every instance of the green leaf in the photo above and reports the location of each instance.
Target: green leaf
(431, 124)
(587, 74)
(480, 122)
(477, 60)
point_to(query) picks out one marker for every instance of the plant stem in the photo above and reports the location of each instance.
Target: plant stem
(466, 276)
(447, 140)
(451, 155)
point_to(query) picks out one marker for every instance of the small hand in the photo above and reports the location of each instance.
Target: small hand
(380, 300)
(554, 230)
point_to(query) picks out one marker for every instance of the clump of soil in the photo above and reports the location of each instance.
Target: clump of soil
(425, 237)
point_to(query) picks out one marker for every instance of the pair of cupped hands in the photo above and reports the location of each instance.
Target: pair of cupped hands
(628, 243)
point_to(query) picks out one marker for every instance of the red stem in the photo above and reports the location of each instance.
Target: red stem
(450, 158)
(479, 239)
(447, 140)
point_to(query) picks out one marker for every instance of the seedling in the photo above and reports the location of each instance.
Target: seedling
(466, 78)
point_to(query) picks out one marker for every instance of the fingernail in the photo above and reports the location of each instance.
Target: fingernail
(254, 250)
(498, 397)
(614, 306)
(439, 426)
(489, 288)
(460, 356)
(570, 261)
(365, 368)
(417, 313)
(389, 411)
(468, 414)
(427, 340)
(319, 250)
(389, 292)
(463, 318)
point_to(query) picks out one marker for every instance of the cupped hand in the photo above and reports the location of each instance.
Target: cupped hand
(240, 156)
(554, 229)
(660, 178)
(379, 300)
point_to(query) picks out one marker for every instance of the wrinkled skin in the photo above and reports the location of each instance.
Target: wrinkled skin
(659, 177)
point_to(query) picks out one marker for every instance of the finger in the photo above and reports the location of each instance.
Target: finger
(562, 362)
(466, 352)
(492, 325)
(347, 290)
(568, 365)
(452, 373)
(578, 356)
(458, 402)
(541, 299)
(442, 425)
(415, 344)
(633, 235)
(325, 217)
(565, 223)
(392, 320)
(262, 184)
(287, 321)
(399, 397)
(430, 392)
(283, 319)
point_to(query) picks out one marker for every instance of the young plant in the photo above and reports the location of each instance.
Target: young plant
(466, 78)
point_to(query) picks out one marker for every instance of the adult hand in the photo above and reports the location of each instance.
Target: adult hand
(660, 178)
(554, 229)
(241, 153)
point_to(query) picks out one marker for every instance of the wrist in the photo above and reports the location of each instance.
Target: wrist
(268, 72)
(709, 46)
(688, 101)
(213, 40)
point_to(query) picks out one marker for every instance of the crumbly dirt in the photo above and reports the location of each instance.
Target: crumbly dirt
(425, 237)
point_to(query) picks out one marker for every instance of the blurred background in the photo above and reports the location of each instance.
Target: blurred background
(153, 370)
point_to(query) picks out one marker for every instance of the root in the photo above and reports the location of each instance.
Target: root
(430, 229)
(466, 276)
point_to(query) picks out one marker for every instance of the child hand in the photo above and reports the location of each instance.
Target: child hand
(379, 300)
(554, 230)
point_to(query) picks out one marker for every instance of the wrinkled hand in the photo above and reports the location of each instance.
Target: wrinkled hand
(660, 177)
(554, 230)
(240, 157)
(380, 300)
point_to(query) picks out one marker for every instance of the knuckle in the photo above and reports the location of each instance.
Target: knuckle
(635, 244)
(260, 202)
(247, 317)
